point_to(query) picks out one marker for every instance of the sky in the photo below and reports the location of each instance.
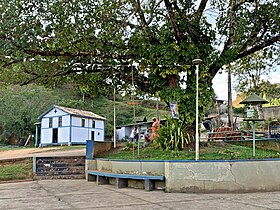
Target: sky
(220, 85)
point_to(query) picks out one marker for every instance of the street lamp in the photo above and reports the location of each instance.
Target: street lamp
(196, 62)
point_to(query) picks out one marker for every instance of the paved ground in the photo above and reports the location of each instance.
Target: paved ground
(80, 194)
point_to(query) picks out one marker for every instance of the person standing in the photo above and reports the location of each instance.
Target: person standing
(136, 137)
(133, 134)
(154, 129)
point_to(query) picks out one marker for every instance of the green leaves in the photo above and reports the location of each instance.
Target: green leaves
(251, 72)
(19, 109)
(172, 135)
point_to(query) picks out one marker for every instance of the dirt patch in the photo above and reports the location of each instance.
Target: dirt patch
(30, 152)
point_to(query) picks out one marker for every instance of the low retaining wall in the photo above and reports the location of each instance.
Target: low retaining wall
(272, 112)
(202, 176)
(72, 167)
(102, 146)
(223, 176)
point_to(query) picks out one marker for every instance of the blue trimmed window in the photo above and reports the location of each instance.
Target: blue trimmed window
(60, 122)
(50, 122)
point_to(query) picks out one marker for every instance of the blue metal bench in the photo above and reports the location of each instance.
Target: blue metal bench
(121, 179)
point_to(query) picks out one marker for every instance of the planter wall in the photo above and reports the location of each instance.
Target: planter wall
(202, 176)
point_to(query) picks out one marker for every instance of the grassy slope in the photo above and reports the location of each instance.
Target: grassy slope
(16, 169)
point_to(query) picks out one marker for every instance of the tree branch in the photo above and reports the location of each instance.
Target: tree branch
(13, 62)
(238, 4)
(193, 29)
(258, 47)
(178, 33)
(75, 54)
(225, 58)
(59, 53)
(29, 81)
(143, 22)
(253, 37)
(231, 27)
(155, 5)
(140, 13)
(4, 37)
(201, 8)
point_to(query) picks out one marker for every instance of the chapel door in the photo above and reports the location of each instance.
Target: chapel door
(55, 135)
(92, 135)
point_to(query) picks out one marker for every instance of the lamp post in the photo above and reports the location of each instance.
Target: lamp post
(115, 140)
(252, 114)
(196, 62)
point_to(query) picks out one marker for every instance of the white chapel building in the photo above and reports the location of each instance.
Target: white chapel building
(62, 125)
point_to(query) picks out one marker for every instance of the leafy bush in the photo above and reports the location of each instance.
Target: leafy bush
(172, 135)
(239, 111)
(274, 102)
(130, 145)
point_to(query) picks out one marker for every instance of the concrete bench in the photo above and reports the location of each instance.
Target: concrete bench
(121, 179)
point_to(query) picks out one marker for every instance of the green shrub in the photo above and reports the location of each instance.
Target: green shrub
(172, 135)
(130, 145)
(239, 111)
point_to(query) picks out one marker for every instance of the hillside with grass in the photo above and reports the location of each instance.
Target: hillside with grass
(20, 106)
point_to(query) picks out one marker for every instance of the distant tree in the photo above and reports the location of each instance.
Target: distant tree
(19, 109)
(252, 73)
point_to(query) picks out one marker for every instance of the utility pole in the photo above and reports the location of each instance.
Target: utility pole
(230, 114)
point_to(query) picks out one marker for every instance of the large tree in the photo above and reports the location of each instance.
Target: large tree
(42, 40)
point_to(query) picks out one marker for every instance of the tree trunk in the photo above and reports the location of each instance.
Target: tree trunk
(191, 131)
(173, 81)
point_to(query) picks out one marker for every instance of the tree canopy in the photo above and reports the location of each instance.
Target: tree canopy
(44, 40)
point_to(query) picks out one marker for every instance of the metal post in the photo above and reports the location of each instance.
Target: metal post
(254, 138)
(114, 135)
(196, 62)
(36, 136)
(196, 118)
(89, 149)
(138, 146)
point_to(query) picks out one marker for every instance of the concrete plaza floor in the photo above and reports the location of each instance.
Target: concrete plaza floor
(80, 194)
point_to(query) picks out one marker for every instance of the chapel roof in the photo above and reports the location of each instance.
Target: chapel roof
(76, 112)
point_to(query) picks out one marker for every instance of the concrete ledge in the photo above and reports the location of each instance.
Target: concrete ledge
(212, 176)
(222, 176)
